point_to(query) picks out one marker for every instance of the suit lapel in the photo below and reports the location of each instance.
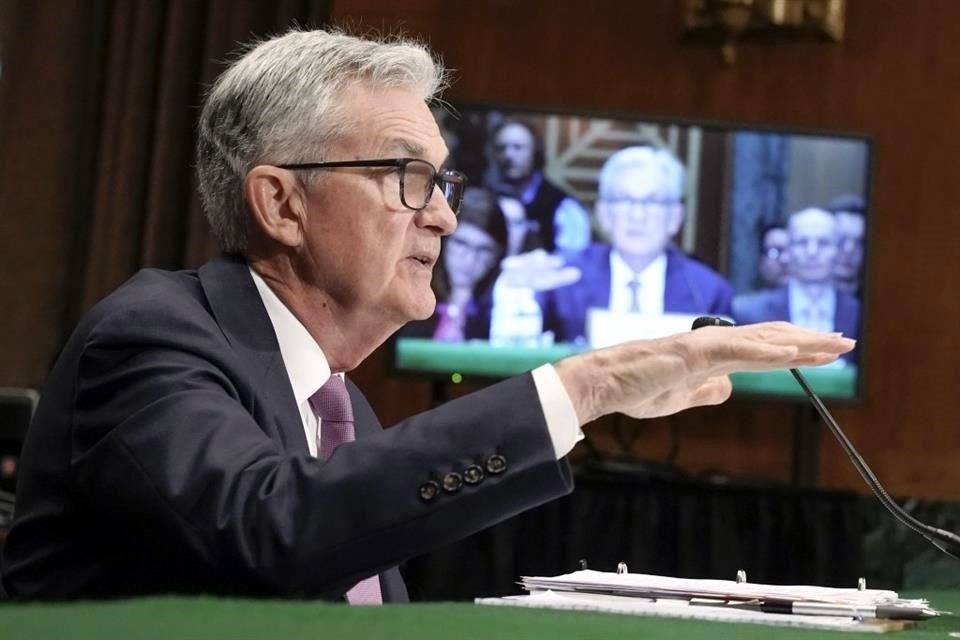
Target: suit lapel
(845, 316)
(365, 421)
(676, 296)
(779, 308)
(239, 311)
(598, 294)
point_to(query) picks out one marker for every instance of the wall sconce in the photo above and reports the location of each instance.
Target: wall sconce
(727, 23)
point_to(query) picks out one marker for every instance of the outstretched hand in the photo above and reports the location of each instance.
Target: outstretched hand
(648, 378)
(537, 270)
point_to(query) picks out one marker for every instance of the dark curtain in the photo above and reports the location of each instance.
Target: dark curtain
(152, 61)
(98, 100)
(157, 59)
(695, 529)
(688, 529)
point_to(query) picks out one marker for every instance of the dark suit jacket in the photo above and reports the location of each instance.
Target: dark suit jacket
(690, 287)
(774, 304)
(168, 455)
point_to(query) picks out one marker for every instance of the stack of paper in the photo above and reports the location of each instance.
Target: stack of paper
(651, 586)
(721, 600)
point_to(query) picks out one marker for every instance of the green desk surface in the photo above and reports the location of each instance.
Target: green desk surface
(478, 358)
(240, 619)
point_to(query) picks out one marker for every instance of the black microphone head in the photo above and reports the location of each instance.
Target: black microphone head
(710, 321)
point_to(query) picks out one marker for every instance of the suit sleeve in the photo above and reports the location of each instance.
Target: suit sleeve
(165, 436)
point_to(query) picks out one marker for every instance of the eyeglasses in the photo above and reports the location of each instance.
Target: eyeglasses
(418, 178)
(776, 253)
(648, 206)
(813, 244)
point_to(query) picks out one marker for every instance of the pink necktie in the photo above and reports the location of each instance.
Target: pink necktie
(332, 405)
(634, 295)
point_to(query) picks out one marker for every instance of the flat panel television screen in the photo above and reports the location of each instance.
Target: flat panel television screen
(581, 231)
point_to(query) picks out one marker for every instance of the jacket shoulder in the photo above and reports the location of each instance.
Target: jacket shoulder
(153, 301)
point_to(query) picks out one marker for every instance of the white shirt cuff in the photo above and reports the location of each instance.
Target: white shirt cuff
(558, 411)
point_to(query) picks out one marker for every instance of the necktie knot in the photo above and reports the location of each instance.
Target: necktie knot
(332, 401)
(332, 405)
(634, 286)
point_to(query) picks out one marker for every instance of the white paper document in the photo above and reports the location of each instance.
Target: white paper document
(863, 610)
(676, 609)
(642, 584)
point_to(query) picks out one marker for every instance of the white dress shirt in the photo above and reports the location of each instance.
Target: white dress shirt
(308, 370)
(812, 313)
(652, 283)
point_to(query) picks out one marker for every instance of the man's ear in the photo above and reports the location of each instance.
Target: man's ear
(277, 204)
(675, 218)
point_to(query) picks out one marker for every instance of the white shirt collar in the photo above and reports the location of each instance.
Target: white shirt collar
(801, 303)
(305, 362)
(652, 284)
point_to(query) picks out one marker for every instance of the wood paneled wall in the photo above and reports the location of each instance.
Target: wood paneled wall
(895, 76)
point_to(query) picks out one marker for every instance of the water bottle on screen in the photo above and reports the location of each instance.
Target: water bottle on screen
(516, 319)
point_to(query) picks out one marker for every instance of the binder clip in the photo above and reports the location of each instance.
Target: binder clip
(621, 568)
(741, 576)
(583, 565)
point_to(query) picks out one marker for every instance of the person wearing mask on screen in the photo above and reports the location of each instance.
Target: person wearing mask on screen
(469, 266)
(850, 213)
(640, 208)
(198, 433)
(540, 215)
(810, 298)
(774, 256)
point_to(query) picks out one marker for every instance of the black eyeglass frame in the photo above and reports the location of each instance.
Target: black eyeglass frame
(456, 180)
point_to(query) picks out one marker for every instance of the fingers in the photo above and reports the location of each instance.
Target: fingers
(647, 378)
(806, 340)
(559, 278)
(764, 346)
(537, 270)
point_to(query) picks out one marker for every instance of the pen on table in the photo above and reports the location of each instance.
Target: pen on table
(889, 612)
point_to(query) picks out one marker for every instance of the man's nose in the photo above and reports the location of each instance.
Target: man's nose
(437, 215)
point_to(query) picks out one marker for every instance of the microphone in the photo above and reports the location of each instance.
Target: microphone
(710, 321)
(946, 541)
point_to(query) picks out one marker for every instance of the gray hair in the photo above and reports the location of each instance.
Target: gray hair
(646, 157)
(809, 212)
(279, 102)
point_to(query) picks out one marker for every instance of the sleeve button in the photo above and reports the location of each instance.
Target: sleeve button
(452, 482)
(496, 464)
(473, 474)
(428, 490)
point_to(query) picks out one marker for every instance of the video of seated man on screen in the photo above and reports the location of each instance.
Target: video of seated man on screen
(580, 232)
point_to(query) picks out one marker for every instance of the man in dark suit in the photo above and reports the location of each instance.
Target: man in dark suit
(197, 435)
(850, 213)
(810, 298)
(689, 287)
(540, 214)
(640, 207)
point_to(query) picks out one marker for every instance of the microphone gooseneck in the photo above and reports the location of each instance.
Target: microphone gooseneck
(946, 541)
